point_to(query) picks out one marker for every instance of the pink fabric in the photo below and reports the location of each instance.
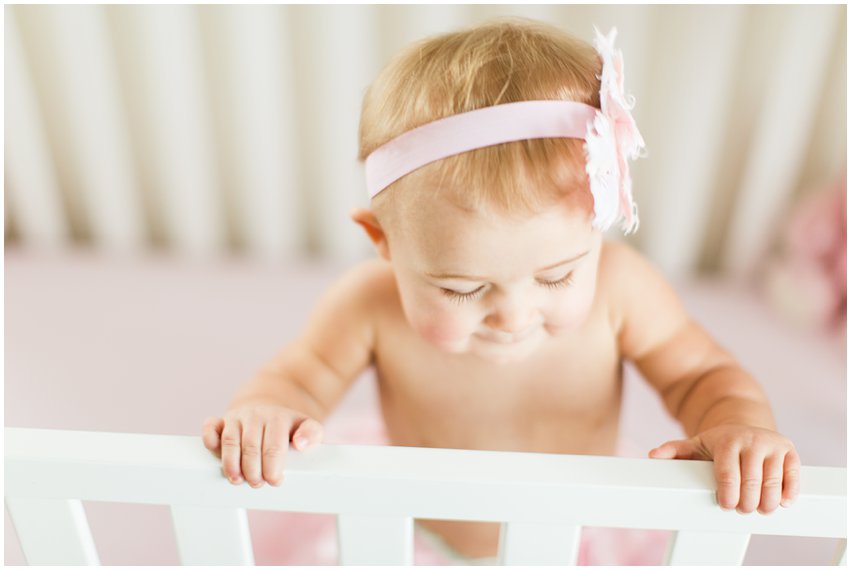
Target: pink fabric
(610, 133)
(309, 539)
(807, 277)
(612, 139)
(475, 129)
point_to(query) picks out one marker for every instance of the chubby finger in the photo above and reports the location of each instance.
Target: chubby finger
(675, 449)
(276, 441)
(727, 477)
(211, 431)
(791, 478)
(252, 441)
(752, 463)
(772, 483)
(306, 434)
(230, 450)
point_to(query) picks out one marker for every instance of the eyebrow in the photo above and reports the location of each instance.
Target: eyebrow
(477, 278)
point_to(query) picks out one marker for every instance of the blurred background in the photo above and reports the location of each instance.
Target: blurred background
(178, 181)
(210, 129)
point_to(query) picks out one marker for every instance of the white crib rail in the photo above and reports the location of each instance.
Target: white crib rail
(377, 491)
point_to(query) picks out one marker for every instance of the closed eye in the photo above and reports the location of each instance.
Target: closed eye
(565, 281)
(461, 297)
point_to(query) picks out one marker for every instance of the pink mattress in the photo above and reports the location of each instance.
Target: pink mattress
(154, 344)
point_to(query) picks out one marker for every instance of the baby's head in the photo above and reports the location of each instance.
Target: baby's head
(492, 64)
(493, 249)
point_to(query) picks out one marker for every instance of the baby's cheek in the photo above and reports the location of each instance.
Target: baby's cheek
(442, 330)
(571, 315)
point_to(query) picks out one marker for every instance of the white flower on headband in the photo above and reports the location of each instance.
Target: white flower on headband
(612, 138)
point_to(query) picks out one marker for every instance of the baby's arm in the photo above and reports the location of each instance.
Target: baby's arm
(292, 394)
(721, 407)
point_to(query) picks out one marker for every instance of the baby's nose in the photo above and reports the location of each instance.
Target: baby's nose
(511, 317)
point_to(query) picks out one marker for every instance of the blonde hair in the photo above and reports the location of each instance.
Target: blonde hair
(498, 62)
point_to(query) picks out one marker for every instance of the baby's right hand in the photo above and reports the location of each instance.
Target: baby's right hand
(252, 441)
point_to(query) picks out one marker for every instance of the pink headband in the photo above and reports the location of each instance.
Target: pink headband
(610, 134)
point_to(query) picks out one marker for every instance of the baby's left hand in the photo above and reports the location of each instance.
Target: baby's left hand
(755, 468)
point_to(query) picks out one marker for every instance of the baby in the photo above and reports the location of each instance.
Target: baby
(497, 317)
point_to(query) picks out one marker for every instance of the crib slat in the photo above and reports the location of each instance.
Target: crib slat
(421, 20)
(343, 39)
(211, 535)
(529, 543)
(699, 548)
(53, 531)
(94, 139)
(702, 97)
(168, 104)
(375, 540)
(254, 109)
(798, 68)
(32, 191)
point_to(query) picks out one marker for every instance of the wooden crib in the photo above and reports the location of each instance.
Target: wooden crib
(376, 492)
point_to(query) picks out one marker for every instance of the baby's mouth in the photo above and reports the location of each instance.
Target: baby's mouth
(502, 337)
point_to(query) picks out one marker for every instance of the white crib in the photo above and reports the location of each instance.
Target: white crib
(221, 190)
(542, 500)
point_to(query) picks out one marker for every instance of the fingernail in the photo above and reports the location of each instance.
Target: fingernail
(300, 442)
(787, 502)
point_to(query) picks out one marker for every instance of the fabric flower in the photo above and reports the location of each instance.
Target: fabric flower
(611, 140)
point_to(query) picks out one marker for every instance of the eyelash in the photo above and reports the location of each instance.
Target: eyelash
(565, 281)
(457, 297)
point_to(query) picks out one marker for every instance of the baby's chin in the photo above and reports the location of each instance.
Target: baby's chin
(496, 352)
(501, 359)
(491, 353)
(503, 354)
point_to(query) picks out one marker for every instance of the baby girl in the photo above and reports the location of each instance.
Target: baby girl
(496, 316)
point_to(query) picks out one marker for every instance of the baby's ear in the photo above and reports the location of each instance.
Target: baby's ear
(367, 220)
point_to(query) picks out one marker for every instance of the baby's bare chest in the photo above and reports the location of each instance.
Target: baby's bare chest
(550, 401)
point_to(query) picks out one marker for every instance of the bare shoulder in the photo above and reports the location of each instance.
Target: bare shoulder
(614, 255)
(622, 271)
(644, 307)
(341, 330)
(360, 295)
(370, 284)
